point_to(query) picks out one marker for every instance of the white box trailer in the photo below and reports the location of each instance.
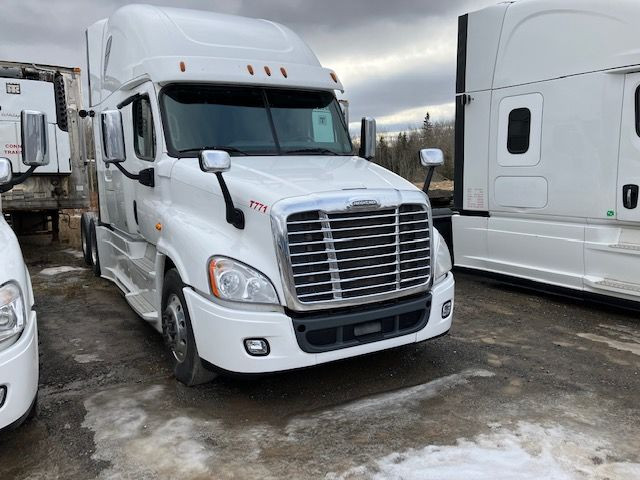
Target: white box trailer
(548, 145)
(297, 253)
(63, 183)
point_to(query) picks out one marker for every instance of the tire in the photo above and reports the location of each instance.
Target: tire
(85, 236)
(95, 259)
(178, 334)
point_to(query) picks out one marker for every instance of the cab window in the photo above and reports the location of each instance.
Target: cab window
(144, 139)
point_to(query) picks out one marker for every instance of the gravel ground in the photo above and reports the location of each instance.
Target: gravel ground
(524, 387)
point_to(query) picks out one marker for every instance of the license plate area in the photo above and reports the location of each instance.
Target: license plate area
(368, 328)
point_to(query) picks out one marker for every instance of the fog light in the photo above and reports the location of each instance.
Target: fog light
(257, 347)
(3, 394)
(446, 309)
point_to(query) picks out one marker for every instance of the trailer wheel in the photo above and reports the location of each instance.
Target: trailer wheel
(178, 334)
(85, 236)
(93, 238)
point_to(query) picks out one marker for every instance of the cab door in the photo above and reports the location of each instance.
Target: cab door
(143, 144)
(629, 160)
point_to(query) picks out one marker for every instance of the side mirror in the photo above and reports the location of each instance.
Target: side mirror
(214, 161)
(5, 171)
(431, 157)
(368, 138)
(35, 151)
(112, 137)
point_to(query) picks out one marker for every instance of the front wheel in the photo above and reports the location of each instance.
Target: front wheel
(178, 334)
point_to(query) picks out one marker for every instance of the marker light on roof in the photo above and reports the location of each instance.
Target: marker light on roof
(250, 69)
(284, 72)
(267, 70)
(183, 67)
(334, 77)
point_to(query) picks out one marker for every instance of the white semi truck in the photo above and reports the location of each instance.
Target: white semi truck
(233, 212)
(34, 206)
(18, 320)
(548, 146)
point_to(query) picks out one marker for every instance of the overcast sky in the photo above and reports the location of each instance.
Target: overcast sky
(396, 58)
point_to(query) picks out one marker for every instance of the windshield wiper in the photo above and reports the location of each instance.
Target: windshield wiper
(224, 149)
(320, 151)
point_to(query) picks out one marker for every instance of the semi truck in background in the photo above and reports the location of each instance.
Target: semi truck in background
(233, 213)
(19, 363)
(34, 206)
(547, 157)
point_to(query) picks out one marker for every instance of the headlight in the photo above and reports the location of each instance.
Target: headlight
(12, 314)
(234, 281)
(443, 257)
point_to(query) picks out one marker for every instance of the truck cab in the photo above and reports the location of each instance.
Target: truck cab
(234, 214)
(19, 367)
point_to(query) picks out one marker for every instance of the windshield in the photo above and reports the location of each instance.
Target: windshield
(252, 121)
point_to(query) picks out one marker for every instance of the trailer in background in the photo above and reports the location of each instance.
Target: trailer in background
(35, 206)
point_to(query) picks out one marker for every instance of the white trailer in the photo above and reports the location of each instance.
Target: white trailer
(548, 145)
(63, 183)
(297, 253)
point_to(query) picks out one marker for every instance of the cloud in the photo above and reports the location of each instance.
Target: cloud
(394, 57)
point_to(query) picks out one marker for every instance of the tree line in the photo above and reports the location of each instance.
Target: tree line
(399, 153)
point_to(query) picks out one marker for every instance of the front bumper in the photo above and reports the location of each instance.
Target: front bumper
(220, 333)
(19, 374)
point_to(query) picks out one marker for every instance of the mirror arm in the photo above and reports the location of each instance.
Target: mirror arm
(18, 180)
(125, 173)
(235, 216)
(427, 182)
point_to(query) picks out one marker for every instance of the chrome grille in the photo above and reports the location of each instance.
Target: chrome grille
(358, 254)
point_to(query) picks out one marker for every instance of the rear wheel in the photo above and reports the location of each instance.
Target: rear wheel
(95, 259)
(85, 236)
(178, 334)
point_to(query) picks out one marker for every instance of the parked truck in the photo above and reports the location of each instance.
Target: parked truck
(34, 206)
(233, 213)
(18, 321)
(547, 158)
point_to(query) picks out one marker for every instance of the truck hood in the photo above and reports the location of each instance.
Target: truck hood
(269, 179)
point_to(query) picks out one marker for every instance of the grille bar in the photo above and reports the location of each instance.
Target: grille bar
(337, 256)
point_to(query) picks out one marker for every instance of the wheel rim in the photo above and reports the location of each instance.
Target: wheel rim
(176, 330)
(94, 251)
(85, 248)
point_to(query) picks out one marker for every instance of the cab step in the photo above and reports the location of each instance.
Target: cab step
(142, 306)
(615, 286)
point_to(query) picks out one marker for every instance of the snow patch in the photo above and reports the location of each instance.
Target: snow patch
(530, 452)
(87, 358)
(152, 446)
(49, 272)
(74, 253)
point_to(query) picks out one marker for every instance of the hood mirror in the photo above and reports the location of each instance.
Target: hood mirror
(5, 171)
(430, 158)
(218, 162)
(35, 151)
(214, 161)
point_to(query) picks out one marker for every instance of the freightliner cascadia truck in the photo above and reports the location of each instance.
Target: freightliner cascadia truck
(234, 214)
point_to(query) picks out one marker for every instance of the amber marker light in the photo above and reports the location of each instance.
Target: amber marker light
(212, 278)
(183, 67)
(284, 72)
(159, 227)
(267, 70)
(334, 77)
(250, 69)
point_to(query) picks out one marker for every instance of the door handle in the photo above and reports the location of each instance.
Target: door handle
(630, 196)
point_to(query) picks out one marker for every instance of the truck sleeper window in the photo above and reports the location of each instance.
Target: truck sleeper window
(252, 121)
(519, 131)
